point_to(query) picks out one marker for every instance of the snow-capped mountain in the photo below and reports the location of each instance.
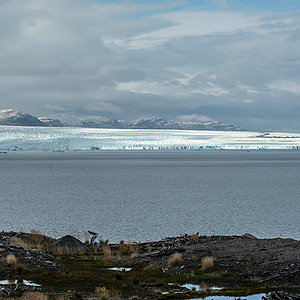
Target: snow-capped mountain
(51, 122)
(96, 122)
(17, 118)
(159, 123)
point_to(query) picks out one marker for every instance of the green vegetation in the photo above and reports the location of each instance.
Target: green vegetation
(96, 273)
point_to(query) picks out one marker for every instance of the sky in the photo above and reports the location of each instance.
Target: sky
(233, 61)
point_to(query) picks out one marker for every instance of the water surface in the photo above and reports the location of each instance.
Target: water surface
(149, 195)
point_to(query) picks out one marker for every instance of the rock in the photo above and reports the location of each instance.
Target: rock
(69, 244)
(249, 236)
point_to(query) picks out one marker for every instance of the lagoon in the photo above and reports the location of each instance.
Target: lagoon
(149, 195)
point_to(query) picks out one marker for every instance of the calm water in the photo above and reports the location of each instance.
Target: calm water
(148, 195)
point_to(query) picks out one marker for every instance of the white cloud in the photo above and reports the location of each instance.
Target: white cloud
(193, 118)
(191, 23)
(286, 86)
(125, 60)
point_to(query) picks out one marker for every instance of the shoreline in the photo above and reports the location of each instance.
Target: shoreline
(239, 265)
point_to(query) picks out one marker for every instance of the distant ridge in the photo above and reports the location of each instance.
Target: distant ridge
(16, 118)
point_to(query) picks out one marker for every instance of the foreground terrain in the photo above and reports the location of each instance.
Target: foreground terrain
(185, 267)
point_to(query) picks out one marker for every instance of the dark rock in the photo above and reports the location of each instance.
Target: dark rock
(249, 236)
(69, 244)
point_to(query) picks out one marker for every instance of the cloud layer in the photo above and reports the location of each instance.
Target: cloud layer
(126, 60)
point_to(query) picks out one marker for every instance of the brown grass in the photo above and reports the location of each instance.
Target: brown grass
(194, 236)
(128, 249)
(134, 255)
(34, 296)
(35, 231)
(149, 248)
(15, 241)
(207, 263)
(174, 260)
(11, 259)
(102, 292)
(107, 255)
(19, 268)
(32, 241)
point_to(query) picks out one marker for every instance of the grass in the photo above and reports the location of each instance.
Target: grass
(15, 241)
(207, 263)
(34, 296)
(107, 254)
(195, 236)
(11, 260)
(32, 241)
(82, 272)
(19, 268)
(102, 292)
(174, 260)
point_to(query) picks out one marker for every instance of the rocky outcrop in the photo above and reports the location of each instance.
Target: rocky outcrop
(69, 244)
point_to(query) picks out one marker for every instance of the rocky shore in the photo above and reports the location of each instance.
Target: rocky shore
(236, 265)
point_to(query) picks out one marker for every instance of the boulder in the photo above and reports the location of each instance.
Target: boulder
(69, 244)
(249, 236)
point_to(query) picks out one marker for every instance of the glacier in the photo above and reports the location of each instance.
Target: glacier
(16, 138)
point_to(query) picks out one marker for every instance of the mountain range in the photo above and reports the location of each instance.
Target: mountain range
(11, 117)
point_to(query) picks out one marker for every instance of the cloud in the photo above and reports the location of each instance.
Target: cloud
(193, 118)
(126, 60)
(222, 3)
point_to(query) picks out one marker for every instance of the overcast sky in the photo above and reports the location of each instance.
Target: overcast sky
(234, 61)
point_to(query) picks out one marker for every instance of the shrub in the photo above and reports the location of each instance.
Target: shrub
(11, 259)
(175, 259)
(19, 268)
(207, 263)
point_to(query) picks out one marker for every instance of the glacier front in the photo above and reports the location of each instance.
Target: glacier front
(50, 138)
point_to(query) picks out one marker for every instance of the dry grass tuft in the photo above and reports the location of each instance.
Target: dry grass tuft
(31, 241)
(149, 248)
(11, 259)
(115, 295)
(207, 263)
(134, 255)
(107, 255)
(61, 297)
(102, 292)
(128, 249)
(19, 268)
(34, 231)
(15, 241)
(174, 260)
(34, 296)
(194, 236)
